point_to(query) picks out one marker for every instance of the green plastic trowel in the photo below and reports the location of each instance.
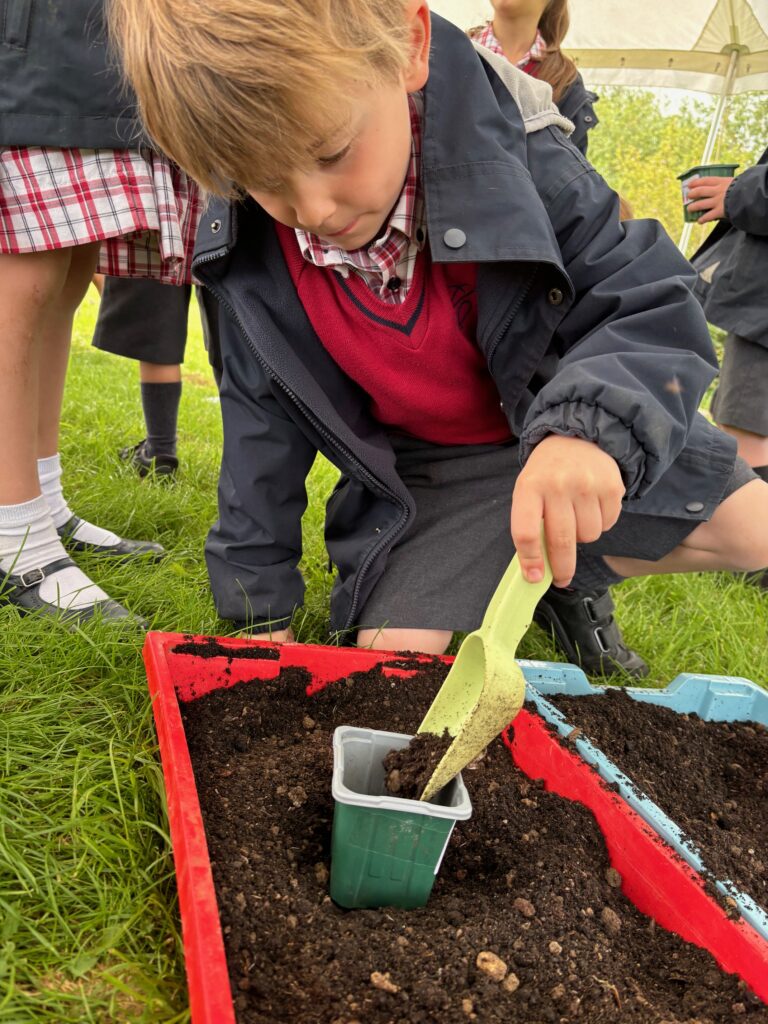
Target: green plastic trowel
(484, 688)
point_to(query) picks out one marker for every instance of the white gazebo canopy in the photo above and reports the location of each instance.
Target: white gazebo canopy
(687, 44)
(684, 44)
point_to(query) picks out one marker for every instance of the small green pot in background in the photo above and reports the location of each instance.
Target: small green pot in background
(701, 171)
(385, 851)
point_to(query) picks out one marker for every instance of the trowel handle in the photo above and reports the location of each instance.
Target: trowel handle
(511, 608)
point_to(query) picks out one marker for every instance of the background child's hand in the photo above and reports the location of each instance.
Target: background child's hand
(709, 194)
(576, 489)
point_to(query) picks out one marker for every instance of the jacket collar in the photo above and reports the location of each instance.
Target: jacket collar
(481, 203)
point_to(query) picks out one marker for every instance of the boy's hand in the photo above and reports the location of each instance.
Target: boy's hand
(576, 489)
(709, 194)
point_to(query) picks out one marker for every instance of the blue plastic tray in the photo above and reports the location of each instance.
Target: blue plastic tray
(713, 698)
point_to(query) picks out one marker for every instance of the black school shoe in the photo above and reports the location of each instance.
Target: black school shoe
(124, 549)
(584, 629)
(138, 456)
(23, 591)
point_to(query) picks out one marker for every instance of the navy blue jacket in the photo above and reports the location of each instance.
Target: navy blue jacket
(733, 260)
(59, 84)
(578, 104)
(589, 328)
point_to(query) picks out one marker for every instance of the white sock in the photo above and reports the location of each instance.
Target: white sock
(28, 540)
(49, 474)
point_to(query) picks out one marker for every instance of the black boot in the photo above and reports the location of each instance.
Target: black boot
(583, 627)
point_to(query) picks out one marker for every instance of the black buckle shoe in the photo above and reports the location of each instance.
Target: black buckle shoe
(584, 628)
(136, 455)
(124, 549)
(23, 591)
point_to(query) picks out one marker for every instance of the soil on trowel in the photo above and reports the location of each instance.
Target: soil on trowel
(526, 922)
(709, 777)
(409, 769)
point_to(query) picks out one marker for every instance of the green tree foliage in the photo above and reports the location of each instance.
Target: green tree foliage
(641, 145)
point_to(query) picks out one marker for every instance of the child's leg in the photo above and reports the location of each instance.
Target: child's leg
(55, 335)
(753, 448)
(160, 400)
(734, 539)
(34, 569)
(425, 641)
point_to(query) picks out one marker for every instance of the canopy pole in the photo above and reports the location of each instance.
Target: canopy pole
(714, 131)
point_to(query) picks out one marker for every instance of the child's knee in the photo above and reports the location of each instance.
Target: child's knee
(423, 641)
(744, 529)
(32, 283)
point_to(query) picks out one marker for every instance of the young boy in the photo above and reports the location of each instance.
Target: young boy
(427, 282)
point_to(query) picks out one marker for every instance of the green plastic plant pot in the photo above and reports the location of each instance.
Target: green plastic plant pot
(701, 171)
(385, 851)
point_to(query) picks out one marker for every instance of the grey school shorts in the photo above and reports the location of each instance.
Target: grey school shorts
(443, 573)
(143, 319)
(741, 399)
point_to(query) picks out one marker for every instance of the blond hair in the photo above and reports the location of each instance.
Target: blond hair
(237, 92)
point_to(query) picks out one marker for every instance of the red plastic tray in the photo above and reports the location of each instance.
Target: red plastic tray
(655, 878)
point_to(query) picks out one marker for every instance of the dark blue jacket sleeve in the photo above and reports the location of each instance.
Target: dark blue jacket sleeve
(746, 201)
(636, 353)
(254, 548)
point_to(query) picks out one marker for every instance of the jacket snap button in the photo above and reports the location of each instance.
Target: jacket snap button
(454, 238)
(554, 296)
(694, 506)
(588, 118)
(215, 226)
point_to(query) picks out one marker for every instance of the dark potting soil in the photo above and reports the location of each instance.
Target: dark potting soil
(409, 769)
(709, 777)
(211, 647)
(526, 922)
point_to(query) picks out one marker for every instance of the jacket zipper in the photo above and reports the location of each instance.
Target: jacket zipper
(511, 314)
(330, 438)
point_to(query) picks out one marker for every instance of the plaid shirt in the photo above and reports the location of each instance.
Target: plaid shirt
(487, 38)
(392, 257)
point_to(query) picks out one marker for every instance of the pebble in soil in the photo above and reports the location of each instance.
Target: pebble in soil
(709, 777)
(526, 922)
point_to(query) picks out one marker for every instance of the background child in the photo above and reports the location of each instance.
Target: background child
(67, 184)
(732, 265)
(147, 321)
(529, 33)
(432, 287)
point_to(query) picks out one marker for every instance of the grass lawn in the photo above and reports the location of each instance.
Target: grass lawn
(89, 928)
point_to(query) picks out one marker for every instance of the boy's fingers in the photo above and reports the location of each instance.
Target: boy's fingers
(610, 509)
(560, 531)
(527, 513)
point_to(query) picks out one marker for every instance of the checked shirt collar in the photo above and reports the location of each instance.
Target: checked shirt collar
(487, 38)
(392, 256)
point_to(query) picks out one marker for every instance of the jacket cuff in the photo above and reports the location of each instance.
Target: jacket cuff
(593, 423)
(745, 203)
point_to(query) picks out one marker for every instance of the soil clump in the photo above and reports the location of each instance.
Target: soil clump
(409, 769)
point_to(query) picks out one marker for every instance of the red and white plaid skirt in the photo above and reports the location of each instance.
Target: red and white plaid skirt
(139, 205)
